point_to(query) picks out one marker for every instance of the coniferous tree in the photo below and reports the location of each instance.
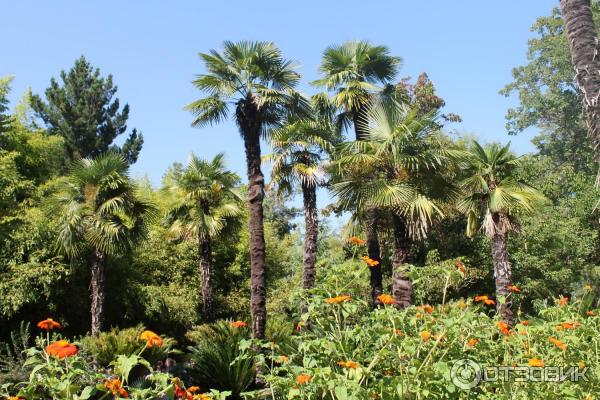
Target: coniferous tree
(4, 117)
(84, 110)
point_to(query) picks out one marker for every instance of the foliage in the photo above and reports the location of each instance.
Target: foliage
(12, 357)
(83, 111)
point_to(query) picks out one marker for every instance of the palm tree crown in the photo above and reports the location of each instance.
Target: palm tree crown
(492, 187)
(204, 199)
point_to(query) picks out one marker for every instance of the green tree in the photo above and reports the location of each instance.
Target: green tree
(85, 112)
(351, 71)
(260, 83)
(5, 119)
(299, 149)
(548, 95)
(100, 215)
(402, 155)
(205, 204)
(492, 199)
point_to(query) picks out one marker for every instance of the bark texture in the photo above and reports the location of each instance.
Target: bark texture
(583, 43)
(373, 251)
(249, 119)
(205, 257)
(98, 290)
(311, 223)
(402, 288)
(502, 270)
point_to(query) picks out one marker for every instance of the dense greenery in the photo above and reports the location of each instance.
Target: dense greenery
(449, 245)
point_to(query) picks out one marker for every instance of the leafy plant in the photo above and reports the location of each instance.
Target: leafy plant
(12, 355)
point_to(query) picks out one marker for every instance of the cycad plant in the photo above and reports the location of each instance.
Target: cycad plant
(204, 204)
(402, 168)
(299, 151)
(100, 214)
(493, 197)
(351, 72)
(258, 83)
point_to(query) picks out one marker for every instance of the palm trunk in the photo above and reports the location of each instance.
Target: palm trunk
(311, 223)
(98, 290)
(402, 287)
(205, 256)
(249, 120)
(583, 42)
(373, 250)
(502, 270)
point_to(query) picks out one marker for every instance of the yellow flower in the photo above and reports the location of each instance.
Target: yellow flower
(425, 335)
(581, 365)
(535, 362)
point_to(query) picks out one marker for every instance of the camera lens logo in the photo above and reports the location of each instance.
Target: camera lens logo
(466, 374)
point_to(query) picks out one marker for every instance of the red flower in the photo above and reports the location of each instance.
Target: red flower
(48, 324)
(61, 349)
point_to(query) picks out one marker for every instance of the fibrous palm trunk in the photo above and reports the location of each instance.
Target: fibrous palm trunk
(205, 257)
(248, 117)
(311, 223)
(583, 43)
(402, 287)
(98, 290)
(502, 269)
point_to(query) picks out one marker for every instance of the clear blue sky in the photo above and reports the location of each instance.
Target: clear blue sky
(467, 47)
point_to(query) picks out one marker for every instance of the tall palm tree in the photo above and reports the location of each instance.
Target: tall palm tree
(583, 43)
(351, 71)
(407, 163)
(492, 199)
(99, 214)
(258, 82)
(298, 151)
(205, 203)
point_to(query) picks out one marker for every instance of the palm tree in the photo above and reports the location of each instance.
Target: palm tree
(407, 163)
(492, 200)
(351, 71)
(298, 151)
(99, 214)
(205, 204)
(259, 83)
(583, 43)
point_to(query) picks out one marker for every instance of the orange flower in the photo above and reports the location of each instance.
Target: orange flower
(398, 332)
(193, 389)
(348, 364)
(472, 342)
(557, 343)
(525, 322)
(181, 393)
(461, 267)
(503, 326)
(152, 339)
(303, 379)
(484, 299)
(514, 289)
(283, 359)
(357, 241)
(61, 349)
(581, 365)
(15, 398)
(535, 362)
(370, 262)
(115, 387)
(48, 324)
(338, 299)
(562, 301)
(386, 299)
(427, 308)
(239, 324)
(425, 336)
(299, 326)
(202, 396)
(590, 313)
(568, 325)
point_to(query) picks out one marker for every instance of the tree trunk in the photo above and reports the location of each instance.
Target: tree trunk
(311, 224)
(502, 270)
(373, 251)
(583, 42)
(248, 117)
(402, 287)
(205, 257)
(97, 290)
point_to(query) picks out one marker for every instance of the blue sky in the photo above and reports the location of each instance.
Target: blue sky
(467, 47)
